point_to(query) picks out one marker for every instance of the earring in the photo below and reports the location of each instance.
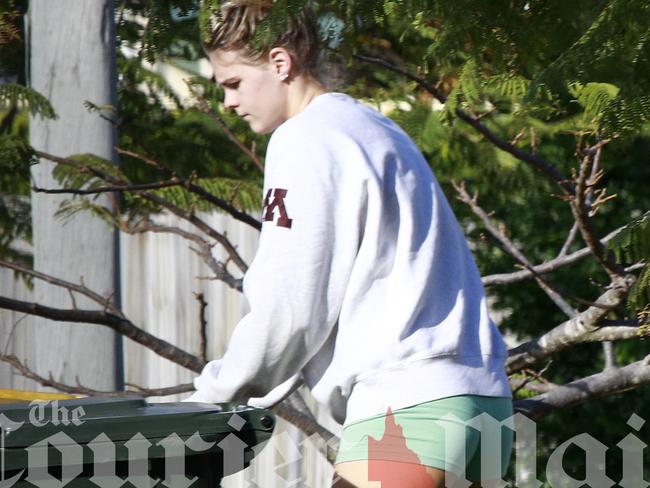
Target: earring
(283, 76)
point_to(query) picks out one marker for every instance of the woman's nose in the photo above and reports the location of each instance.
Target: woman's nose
(230, 99)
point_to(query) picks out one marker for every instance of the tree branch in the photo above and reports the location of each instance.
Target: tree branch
(511, 248)
(119, 324)
(570, 332)
(200, 224)
(540, 163)
(105, 302)
(544, 268)
(608, 382)
(106, 189)
(198, 190)
(203, 325)
(614, 333)
(79, 389)
(573, 233)
(204, 251)
(186, 215)
(581, 214)
(542, 384)
(307, 425)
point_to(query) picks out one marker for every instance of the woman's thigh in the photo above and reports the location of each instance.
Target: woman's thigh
(424, 444)
(354, 474)
(392, 474)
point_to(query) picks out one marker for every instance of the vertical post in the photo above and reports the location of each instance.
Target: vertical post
(72, 60)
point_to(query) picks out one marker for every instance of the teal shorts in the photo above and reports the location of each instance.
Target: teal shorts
(449, 434)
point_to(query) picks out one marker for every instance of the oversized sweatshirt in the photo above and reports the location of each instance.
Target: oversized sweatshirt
(363, 285)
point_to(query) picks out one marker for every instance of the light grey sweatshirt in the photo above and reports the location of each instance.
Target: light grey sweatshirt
(363, 285)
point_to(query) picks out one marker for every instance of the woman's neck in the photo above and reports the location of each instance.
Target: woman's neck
(302, 90)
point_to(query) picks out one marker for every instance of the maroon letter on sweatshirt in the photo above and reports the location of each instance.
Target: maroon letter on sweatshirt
(278, 202)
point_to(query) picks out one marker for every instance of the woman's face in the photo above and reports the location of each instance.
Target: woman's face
(255, 92)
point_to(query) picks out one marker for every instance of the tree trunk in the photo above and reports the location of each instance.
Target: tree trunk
(72, 60)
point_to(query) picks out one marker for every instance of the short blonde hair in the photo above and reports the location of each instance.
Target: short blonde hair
(252, 27)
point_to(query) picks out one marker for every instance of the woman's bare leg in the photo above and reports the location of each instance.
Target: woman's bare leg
(387, 474)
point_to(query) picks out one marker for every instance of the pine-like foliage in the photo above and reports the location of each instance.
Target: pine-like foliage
(17, 96)
(242, 194)
(165, 19)
(15, 214)
(630, 246)
(9, 32)
(89, 172)
(616, 49)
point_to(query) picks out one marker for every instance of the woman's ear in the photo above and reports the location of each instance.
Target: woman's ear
(281, 61)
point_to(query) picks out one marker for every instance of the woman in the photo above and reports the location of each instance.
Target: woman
(363, 286)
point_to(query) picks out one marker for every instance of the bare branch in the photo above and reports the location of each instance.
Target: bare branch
(79, 389)
(306, 424)
(635, 267)
(608, 354)
(570, 332)
(613, 333)
(105, 189)
(198, 190)
(581, 211)
(512, 248)
(529, 384)
(548, 267)
(303, 420)
(203, 325)
(152, 197)
(573, 233)
(531, 375)
(219, 269)
(608, 382)
(169, 390)
(83, 290)
(204, 251)
(200, 224)
(119, 324)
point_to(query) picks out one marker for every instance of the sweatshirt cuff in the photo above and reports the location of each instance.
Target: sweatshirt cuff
(204, 384)
(277, 394)
(197, 396)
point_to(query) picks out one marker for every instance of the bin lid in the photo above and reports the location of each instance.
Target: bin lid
(120, 418)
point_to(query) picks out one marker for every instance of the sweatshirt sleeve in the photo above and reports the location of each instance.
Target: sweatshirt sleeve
(296, 282)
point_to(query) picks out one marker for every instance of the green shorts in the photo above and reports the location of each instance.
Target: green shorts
(448, 433)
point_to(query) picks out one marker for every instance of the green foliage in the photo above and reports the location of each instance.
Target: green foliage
(466, 93)
(85, 171)
(14, 95)
(552, 76)
(73, 206)
(630, 246)
(12, 50)
(159, 38)
(9, 31)
(594, 98)
(208, 12)
(626, 115)
(509, 85)
(15, 212)
(15, 155)
(242, 194)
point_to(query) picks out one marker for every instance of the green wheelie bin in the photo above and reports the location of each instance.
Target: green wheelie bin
(127, 442)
